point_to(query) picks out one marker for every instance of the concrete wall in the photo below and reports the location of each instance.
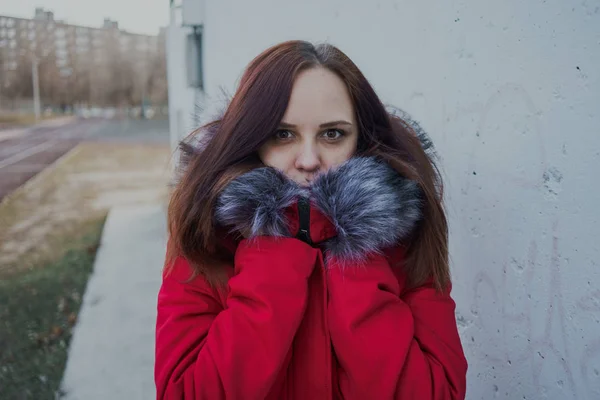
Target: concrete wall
(510, 92)
(182, 98)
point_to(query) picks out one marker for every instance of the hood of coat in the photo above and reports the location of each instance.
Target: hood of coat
(360, 207)
(213, 110)
(363, 206)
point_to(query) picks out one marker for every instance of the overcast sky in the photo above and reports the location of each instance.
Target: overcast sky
(138, 16)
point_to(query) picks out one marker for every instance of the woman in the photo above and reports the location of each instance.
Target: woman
(308, 247)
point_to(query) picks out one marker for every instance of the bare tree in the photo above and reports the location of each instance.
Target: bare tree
(20, 81)
(157, 82)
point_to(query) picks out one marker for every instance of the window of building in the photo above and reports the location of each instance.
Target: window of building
(62, 53)
(60, 43)
(195, 73)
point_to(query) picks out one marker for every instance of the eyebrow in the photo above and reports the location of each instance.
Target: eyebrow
(324, 125)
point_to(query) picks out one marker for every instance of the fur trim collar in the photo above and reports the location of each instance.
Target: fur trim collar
(368, 203)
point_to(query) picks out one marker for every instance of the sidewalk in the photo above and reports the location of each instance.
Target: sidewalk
(112, 351)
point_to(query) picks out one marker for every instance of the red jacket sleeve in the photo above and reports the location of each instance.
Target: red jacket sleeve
(205, 351)
(390, 346)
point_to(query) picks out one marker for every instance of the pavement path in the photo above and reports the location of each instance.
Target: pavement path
(111, 355)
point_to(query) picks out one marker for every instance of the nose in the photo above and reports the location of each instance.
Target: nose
(308, 159)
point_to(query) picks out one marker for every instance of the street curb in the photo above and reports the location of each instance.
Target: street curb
(42, 174)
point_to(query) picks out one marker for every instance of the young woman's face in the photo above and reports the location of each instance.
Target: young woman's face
(318, 130)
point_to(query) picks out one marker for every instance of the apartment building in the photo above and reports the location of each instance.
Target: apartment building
(102, 65)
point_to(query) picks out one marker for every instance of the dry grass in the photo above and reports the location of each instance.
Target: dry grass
(23, 119)
(38, 310)
(75, 192)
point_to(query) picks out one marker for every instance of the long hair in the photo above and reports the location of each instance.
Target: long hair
(253, 116)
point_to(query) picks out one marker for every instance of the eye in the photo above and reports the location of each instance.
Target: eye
(283, 135)
(333, 134)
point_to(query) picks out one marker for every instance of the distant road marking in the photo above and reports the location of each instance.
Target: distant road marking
(12, 133)
(27, 153)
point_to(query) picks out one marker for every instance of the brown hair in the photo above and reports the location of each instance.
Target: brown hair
(253, 116)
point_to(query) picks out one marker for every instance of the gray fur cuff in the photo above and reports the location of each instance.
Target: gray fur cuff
(371, 206)
(254, 203)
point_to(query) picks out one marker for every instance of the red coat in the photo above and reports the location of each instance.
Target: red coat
(288, 326)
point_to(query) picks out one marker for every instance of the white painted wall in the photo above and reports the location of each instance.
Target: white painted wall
(510, 92)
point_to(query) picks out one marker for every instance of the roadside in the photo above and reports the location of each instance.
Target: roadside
(49, 232)
(10, 121)
(27, 151)
(80, 187)
(9, 130)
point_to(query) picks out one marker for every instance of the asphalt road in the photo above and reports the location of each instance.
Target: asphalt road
(26, 152)
(131, 130)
